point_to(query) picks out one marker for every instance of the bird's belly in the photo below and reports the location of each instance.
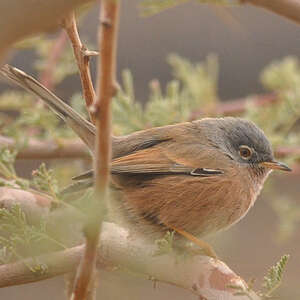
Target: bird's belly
(199, 206)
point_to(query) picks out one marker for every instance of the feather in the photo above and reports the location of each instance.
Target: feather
(83, 128)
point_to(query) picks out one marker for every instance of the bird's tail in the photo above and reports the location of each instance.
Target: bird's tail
(83, 128)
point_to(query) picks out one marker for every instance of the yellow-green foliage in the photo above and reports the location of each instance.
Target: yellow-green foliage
(20, 238)
(8, 175)
(194, 86)
(152, 7)
(279, 120)
(271, 282)
(43, 180)
(274, 277)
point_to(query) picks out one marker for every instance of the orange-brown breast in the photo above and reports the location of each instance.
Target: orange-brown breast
(197, 205)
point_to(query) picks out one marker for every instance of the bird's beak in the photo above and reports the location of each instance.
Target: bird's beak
(276, 165)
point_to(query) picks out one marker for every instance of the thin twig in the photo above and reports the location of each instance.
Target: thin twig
(82, 56)
(109, 11)
(289, 9)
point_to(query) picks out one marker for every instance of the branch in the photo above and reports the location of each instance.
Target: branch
(39, 149)
(289, 9)
(34, 204)
(82, 56)
(201, 275)
(37, 16)
(208, 278)
(109, 17)
(285, 151)
(237, 106)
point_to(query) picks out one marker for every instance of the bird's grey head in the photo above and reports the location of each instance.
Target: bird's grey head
(243, 142)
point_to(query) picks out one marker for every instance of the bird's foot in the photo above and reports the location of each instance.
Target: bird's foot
(204, 246)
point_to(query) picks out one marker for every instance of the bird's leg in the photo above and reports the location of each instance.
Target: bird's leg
(207, 249)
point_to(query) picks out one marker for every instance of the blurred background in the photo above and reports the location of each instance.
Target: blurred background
(245, 40)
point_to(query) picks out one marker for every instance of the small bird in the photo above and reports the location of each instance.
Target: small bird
(195, 178)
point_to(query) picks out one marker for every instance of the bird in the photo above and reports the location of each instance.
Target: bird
(194, 178)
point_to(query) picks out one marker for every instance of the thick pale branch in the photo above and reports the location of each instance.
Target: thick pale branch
(82, 56)
(201, 275)
(34, 204)
(289, 9)
(21, 18)
(208, 278)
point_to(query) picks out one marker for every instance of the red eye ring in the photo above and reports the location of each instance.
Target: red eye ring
(245, 152)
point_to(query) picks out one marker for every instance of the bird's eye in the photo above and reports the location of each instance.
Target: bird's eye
(245, 152)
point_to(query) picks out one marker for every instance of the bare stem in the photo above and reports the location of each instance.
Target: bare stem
(82, 56)
(109, 11)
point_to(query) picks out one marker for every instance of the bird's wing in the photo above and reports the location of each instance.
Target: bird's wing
(153, 161)
(83, 128)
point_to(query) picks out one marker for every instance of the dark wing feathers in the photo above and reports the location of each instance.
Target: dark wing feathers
(152, 161)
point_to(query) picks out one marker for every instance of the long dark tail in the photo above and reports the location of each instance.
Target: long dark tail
(83, 128)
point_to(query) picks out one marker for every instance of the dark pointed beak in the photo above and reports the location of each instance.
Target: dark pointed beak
(275, 165)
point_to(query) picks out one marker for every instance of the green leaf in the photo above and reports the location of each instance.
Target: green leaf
(44, 180)
(20, 239)
(165, 244)
(282, 75)
(7, 160)
(273, 279)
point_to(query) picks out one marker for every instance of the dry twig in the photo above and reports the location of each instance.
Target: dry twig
(82, 56)
(106, 77)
